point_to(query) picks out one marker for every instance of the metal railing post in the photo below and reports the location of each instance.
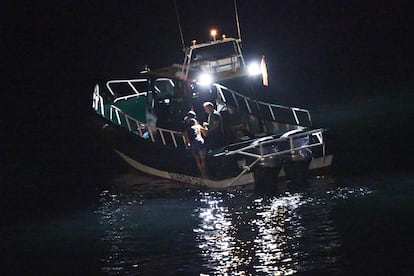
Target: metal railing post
(139, 128)
(173, 138)
(296, 116)
(127, 120)
(117, 116)
(162, 136)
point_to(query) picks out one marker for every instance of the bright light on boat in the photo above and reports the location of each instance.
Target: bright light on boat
(213, 33)
(205, 79)
(253, 69)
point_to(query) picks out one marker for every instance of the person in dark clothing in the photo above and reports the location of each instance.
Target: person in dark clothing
(214, 131)
(194, 141)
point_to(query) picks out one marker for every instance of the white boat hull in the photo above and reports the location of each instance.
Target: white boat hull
(247, 178)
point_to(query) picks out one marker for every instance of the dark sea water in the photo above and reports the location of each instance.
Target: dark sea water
(146, 226)
(83, 212)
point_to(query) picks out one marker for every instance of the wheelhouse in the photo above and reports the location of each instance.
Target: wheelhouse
(215, 57)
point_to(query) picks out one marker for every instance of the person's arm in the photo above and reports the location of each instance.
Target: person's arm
(186, 139)
(203, 130)
(214, 123)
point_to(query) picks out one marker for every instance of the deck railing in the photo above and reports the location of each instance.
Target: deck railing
(271, 112)
(228, 97)
(292, 145)
(140, 128)
(130, 84)
(143, 129)
(257, 151)
(266, 110)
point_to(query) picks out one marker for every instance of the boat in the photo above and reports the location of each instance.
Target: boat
(142, 120)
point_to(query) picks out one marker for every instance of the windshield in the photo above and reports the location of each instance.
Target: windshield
(214, 51)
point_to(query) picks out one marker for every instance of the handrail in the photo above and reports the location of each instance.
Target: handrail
(292, 148)
(140, 126)
(262, 106)
(129, 82)
(125, 97)
(271, 107)
(98, 105)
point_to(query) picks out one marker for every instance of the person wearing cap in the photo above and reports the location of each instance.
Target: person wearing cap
(192, 114)
(214, 131)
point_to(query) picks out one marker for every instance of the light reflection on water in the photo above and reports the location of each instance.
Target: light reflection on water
(218, 233)
(116, 222)
(274, 246)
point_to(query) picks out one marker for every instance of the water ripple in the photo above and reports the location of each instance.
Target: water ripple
(223, 233)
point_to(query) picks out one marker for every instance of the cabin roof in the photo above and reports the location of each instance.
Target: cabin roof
(206, 44)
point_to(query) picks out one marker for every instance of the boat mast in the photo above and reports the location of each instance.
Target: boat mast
(179, 25)
(237, 19)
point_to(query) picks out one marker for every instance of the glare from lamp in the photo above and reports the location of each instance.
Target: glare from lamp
(205, 79)
(253, 69)
(213, 33)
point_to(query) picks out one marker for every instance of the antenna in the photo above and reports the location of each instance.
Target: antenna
(237, 19)
(179, 24)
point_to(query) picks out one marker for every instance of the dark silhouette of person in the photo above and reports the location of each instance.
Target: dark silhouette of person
(214, 130)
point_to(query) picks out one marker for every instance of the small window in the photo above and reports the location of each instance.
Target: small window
(165, 87)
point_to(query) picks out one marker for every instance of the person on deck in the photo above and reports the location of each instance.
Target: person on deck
(194, 141)
(214, 131)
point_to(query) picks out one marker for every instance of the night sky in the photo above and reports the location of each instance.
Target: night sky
(316, 44)
(318, 52)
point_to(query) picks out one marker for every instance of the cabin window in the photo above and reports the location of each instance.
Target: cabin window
(164, 87)
(213, 52)
(182, 89)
